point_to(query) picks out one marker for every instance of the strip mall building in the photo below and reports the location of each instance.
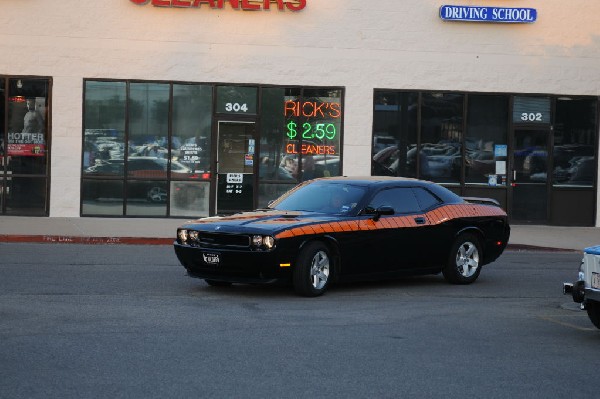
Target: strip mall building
(184, 108)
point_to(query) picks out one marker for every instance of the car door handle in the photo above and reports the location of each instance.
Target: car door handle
(420, 220)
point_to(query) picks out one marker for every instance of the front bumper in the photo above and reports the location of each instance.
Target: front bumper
(586, 287)
(576, 290)
(237, 266)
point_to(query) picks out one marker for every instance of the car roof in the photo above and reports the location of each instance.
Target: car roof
(381, 181)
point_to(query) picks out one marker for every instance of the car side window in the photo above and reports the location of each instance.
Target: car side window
(402, 199)
(426, 199)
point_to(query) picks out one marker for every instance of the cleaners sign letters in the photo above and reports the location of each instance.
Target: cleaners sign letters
(248, 5)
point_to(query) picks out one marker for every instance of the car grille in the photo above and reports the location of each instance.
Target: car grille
(217, 240)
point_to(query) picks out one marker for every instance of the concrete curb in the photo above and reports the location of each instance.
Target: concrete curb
(525, 247)
(58, 239)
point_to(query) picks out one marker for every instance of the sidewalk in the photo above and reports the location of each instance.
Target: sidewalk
(145, 231)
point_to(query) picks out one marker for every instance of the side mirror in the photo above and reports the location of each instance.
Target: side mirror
(377, 213)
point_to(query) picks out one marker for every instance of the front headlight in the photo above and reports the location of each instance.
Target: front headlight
(269, 242)
(182, 234)
(265, 242)
(257, 241)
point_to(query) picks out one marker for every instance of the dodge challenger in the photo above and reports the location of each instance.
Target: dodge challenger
(347, 228)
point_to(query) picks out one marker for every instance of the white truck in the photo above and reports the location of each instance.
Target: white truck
(586, 290)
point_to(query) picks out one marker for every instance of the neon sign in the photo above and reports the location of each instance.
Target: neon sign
(313, 121)
(313, 109)
(248, 5)
(312, 131)
(310, 149)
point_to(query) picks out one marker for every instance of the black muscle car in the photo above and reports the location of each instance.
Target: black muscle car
(345, 228)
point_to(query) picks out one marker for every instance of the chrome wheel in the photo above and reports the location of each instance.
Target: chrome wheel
(319, 270)
(464, 260)
(313, 270)
(467, 259)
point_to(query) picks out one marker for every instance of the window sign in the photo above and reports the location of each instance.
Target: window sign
(531, 110)
(235, 178)
(500, 150)
(316, 123)
(238, 100)
(488, 14)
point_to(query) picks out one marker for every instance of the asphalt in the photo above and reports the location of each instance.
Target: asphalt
(146, 231)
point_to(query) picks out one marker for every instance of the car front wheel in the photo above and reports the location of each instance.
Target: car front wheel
(593, 311)
(464, 262)
(313, 270)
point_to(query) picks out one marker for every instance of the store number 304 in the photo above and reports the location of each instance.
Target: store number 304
(531, 117)
(236, 107)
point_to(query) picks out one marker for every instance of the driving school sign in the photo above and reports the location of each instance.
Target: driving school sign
(249, 5)
(488, 14)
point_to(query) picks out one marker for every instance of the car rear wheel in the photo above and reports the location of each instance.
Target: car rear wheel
(464, 262)
(313, 270)
(215, 283)
(593, 311)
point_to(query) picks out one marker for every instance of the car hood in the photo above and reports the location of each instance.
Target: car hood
(259, 222)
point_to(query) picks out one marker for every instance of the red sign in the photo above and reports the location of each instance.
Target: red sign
(26, 150)
(313, 109)
(249, 5)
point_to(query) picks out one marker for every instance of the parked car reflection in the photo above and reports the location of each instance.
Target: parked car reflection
(139, 185)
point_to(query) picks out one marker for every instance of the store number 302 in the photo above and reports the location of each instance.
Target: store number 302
(531, 117)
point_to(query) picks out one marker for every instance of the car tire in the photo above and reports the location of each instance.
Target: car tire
(593, 311)
(215, 283)
(464, 261)
(313, 270)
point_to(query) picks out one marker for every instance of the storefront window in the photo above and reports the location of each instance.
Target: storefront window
(148, 146)
(486, 140)
(192, 127)
(319, 120)
(191, 149)
(273, 134)
(2, 123)
(394, 151)
(148, 150)
(441, 135)
(104, 148)
(301, 134)
(575, 142)
(24, 146)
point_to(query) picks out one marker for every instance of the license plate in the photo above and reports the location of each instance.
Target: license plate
(596, 280)
(211, 259)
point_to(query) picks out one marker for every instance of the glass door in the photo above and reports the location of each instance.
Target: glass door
(236, 149)
(530, 176)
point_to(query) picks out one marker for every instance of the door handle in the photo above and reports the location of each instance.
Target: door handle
(420, 220)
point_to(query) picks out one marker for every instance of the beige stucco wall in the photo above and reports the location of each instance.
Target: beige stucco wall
(358, 44)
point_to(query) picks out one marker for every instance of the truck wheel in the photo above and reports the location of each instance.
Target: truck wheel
(464, 261)
(593, 311)
(312, 272)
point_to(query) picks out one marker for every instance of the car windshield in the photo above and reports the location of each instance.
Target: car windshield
(322, 196)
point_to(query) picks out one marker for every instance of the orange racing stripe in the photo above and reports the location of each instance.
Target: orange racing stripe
(432, 218)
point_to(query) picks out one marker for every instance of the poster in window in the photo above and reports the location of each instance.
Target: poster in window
(27, 134)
